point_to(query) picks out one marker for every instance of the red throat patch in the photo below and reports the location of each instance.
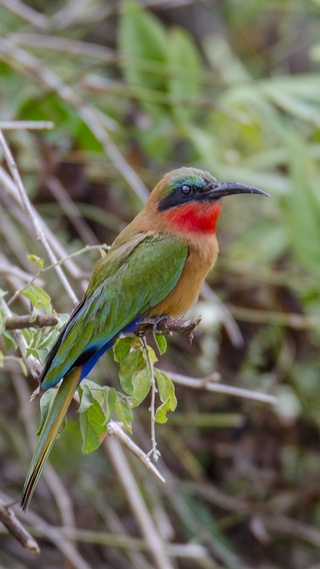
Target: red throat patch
(194, 216)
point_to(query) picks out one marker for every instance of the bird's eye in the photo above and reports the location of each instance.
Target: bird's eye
(185, 189)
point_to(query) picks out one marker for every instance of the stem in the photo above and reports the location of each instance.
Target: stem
(153, 452)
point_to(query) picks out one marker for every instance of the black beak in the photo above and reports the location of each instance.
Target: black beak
(220, 189)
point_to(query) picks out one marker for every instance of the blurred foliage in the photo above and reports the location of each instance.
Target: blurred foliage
(134, 90)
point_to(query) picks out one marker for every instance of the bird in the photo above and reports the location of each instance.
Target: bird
(155, 267)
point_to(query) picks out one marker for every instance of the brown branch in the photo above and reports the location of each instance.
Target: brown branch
(165, 325)
(13, 525)
(27, 321)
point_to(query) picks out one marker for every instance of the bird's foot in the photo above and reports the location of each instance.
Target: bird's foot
(164, 325)
(155, 324)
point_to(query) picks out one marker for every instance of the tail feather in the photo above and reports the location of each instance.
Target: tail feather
(49, 432)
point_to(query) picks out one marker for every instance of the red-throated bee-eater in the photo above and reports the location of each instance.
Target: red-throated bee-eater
(155, 267)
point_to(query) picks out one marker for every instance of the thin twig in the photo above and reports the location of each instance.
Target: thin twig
(49, 267)
(19, 214)
(52, 534)
(32, 364)
(208, 385)
(71, 210)
(51, 82)
(143, 518)
(227, 318)
(153, 452)
(38, 230)
(292, 320)
(27, 13)
(26, 125)
(115, 429)
(9, 520)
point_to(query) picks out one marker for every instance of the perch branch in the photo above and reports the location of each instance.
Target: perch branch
(9, 520)
(26, 321)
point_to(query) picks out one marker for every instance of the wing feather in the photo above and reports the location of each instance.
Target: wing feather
(131, 286)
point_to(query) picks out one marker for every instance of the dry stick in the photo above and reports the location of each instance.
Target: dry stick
(138, 506)
(103, 54)
(71, 210)
(14, 237)
(122, 541)
(227, 318)
(28, 14)
(50, 81)
(12, 191)
(297, 321)
(115, 429)
(32, 364)
(27, 321)
(38, 230)
(208, 385)
(26, 125)
(52, 534)
(15, 527)
(294, 528)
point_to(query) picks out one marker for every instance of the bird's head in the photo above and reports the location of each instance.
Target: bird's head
(190, 199)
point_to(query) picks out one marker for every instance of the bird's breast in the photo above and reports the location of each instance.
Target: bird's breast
(201, 259)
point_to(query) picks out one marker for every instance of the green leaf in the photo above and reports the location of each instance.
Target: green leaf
(124, 412)
(9, 340)
(141, 383)
(161, 343)
(38, 298)
(122, 347)
(133, 362)
(96, 406)
(37, 260)
(184, 64)
(167, 396)
(93, 427)
(302, 205)
(142, 42)
(1, 359)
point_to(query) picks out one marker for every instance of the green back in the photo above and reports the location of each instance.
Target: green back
(125, 284)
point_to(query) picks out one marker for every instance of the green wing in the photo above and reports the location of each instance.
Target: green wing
(125, 284)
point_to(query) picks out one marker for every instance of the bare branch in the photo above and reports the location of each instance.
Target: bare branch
(208, 385)
(27, 321)
(26, 125)
(38, 229)
(27, 13)
(115, 429)
(56, 246)
(32, 364)
(140, 510)
(51, 82)
(15, 527)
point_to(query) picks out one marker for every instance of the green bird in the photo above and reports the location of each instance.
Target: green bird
(155, 267)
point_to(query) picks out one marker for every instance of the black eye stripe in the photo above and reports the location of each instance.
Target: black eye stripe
(182, 194)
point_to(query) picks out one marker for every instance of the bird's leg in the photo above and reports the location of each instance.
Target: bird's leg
(164, 325)
(151, 324)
